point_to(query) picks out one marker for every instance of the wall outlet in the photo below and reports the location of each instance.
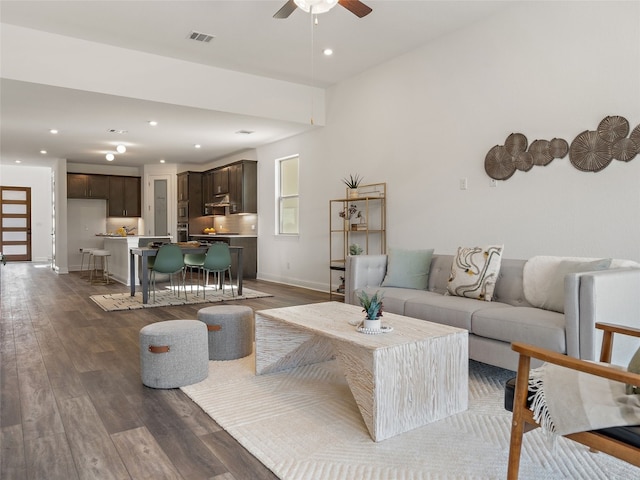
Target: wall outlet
(493, 182)
(253, 227)
(463, 184)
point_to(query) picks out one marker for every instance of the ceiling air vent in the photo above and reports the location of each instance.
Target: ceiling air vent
(201, 37)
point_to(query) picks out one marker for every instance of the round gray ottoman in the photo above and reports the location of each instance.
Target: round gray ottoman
(230, 331)
(173, 353)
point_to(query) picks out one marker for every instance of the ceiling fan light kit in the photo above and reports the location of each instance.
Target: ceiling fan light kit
(316, 6)
(321, 6)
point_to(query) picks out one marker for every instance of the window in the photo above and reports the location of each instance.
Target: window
(288, 196)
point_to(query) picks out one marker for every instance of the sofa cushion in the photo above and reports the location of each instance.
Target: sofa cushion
(474, 272)
(539, 327)
(408, 268)
(554, 295)
(539, 269)
(445, 309)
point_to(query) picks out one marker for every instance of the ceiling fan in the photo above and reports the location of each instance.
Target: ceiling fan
(320, 6)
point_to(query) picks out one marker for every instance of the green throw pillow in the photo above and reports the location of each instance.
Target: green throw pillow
(408, 268)
(555, 289)
(634, 366)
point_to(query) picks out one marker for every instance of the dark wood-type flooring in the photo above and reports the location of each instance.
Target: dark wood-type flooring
(72, 405)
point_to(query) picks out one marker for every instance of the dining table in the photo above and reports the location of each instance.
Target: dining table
(145, 252)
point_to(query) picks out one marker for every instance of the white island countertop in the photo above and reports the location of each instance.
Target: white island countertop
(226, 235)
(119, 247)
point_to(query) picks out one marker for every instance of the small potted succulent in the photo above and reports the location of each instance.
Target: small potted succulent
(352, 182)
(372, 306)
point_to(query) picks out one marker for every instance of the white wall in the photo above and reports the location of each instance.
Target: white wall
(427, 119)
(39, 180)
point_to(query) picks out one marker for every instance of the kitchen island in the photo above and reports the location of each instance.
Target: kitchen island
(249, 244)
(120, 247)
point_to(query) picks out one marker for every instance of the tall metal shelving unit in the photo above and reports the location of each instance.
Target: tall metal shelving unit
(366, 227)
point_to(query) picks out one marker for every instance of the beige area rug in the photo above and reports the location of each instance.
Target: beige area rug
(303, 424)
(167, 298)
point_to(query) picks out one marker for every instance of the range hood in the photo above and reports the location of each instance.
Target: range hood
(220, 200)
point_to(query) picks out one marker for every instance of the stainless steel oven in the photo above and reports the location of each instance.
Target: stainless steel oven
(183, 212)
(183, 232)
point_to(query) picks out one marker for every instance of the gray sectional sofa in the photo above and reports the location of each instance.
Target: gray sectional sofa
(611, 296)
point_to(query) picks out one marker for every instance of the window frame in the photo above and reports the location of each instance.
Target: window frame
(280, 197)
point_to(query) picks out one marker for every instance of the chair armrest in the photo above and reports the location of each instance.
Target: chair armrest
(606, 371)
(363, 271)
(607, 338)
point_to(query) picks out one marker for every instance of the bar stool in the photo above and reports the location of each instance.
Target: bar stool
(85, 252)
(103, 255)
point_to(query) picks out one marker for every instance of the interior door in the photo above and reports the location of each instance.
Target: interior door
(15, 223)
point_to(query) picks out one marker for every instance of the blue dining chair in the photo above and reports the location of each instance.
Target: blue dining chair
(218, 261)
(169, 260)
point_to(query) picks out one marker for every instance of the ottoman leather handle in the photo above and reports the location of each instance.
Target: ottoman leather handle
(159, 348)
(214, 328)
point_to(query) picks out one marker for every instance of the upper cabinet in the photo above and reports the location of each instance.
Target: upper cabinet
(80, 185)
(243, 187)
(124, 197)
(190, 187)
(220, 180)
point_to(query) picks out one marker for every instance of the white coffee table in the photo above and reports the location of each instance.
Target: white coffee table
(401, 380)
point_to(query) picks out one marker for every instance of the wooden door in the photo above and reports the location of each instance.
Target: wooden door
(15, 223)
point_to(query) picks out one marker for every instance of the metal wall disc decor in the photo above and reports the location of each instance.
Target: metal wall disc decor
(558, 148)
(523, 161)
(635, 135)
(589, 152)
(540, 151)
(499, 163)
(613, 128)
(516, 143)
(624, 149)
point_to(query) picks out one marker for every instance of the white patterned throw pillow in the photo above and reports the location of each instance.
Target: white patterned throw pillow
(474, 272)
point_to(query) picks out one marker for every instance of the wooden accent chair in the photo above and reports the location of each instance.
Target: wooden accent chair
(620, 442)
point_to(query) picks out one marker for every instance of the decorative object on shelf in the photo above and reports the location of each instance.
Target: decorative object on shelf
(352, 182)
(355, 249)
(348, 212)
(372, 306)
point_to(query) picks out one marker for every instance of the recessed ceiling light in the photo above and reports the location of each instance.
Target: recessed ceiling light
(328, 52)
(197, 145)
(121, 149)
(53, 131)
(109, 157)
(18, 161)
(153, 123)
(162, 161)
(43, 152)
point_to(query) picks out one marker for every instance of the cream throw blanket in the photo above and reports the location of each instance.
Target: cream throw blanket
(568, 401)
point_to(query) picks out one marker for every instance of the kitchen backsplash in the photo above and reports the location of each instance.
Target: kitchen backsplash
(242, 224)
(114, 223)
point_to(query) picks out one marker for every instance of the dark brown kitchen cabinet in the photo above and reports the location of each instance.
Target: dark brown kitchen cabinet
(243, 187)
(124, 197)
(80, 185)
(189, 196)
(220, 180)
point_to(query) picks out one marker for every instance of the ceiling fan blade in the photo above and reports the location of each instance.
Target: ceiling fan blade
(356, 7)
(286, 10)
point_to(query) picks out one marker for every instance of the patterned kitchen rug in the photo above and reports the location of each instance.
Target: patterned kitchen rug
(303, 424)
(167, 298)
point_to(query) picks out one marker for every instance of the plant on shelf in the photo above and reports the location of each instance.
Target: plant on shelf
(352, 181)
(355, 249)
(372, 305)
